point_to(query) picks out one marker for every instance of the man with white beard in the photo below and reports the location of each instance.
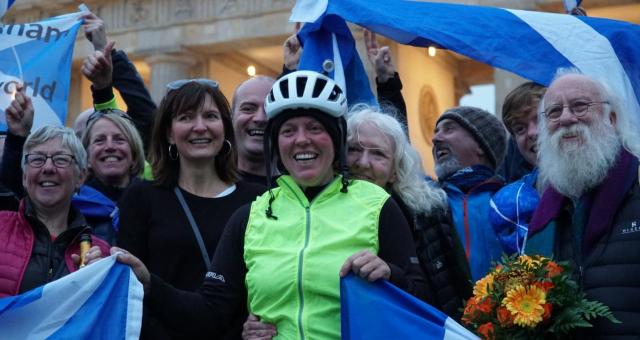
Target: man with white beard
(590, 213)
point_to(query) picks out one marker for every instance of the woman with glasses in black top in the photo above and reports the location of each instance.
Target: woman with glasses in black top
(173, 224)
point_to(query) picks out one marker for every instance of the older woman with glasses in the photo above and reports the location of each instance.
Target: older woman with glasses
(40, 242)
(173, 224)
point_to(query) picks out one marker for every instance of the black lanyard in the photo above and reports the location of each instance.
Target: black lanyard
(194, 226)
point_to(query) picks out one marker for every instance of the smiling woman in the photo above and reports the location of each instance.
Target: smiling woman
(116, 158)
(174, 223)
(40, 237)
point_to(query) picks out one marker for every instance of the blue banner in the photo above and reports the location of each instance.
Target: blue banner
(38, 55)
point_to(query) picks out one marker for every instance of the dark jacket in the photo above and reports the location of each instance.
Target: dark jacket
(600, 237)
(129, 83)
(28, 255)
(442, 259)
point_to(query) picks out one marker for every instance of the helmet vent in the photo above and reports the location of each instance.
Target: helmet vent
(335, 93)
(320, 84)
(284, 89)
(301, 83)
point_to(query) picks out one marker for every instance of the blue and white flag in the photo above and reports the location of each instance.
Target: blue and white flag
(4, 6)
(329, 38)
(38, 55)
(531, 44)
(380, 310)
(100, 301)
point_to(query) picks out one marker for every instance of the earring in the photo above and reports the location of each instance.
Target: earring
(229, 150)
(173, 155)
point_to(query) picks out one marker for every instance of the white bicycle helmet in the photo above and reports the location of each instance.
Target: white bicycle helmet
(305, 90)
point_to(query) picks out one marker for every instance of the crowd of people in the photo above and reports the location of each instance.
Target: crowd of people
(239, 219)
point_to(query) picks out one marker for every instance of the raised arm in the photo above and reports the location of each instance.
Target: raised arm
(19, 121)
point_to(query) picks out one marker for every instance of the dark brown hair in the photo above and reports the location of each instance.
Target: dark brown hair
(190, 97)
(519, 100)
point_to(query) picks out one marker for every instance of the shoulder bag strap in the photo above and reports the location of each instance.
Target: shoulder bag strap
(194, 226)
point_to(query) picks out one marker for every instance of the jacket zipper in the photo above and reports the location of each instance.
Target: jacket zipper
(300, 260)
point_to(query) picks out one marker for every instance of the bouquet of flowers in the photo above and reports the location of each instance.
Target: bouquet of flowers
(529, 297)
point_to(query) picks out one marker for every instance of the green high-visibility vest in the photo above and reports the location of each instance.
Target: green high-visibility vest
(293, 261)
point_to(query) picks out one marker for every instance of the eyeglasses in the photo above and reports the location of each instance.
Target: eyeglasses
(578, 108)
(99, 113)
(59, 160)
(177, 84)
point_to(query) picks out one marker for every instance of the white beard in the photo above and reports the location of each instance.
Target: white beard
(447, 167)
(572, 168)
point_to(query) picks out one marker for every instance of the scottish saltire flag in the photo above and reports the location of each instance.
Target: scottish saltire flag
(100, 301)
(39, 56)
(531, 44)
(4, 6)
(329, 38)
(380, 310)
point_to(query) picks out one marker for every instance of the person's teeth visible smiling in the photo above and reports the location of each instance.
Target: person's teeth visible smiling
(305, 156)
(47, 184)
(200, 141)
(256, 132)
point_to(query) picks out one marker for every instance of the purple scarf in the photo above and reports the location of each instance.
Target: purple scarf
(605, 200)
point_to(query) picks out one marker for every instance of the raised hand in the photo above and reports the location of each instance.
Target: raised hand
(20, 113)
(380, 57)
(95, 31)
(98, 67)
(292, 49)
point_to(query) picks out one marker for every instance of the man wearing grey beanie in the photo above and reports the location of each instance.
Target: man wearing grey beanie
(468, 146)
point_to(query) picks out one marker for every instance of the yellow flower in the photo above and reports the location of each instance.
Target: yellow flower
(529, 262)
(526, 305)
(483, 287)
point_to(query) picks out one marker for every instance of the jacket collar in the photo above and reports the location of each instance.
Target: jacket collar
(606, 198)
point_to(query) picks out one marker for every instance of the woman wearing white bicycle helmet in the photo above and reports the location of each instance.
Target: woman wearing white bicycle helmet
(282, 255)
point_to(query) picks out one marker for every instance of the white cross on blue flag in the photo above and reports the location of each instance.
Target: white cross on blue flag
(100, 301)
(531, 44)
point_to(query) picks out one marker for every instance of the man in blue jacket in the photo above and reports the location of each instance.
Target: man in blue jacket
(468, 145)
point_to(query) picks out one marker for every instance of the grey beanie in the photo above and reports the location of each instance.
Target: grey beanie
(485, 128)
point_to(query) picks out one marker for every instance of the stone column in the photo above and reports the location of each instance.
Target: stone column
(166, 68)
(505, 82)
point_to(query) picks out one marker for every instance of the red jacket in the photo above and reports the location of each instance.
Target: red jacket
(17, 239)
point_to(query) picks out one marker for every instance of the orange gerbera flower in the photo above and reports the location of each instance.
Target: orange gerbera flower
(486, 330)
(525, 304)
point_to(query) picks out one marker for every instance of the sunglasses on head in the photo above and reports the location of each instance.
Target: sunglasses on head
(177, 84)
(99, 113)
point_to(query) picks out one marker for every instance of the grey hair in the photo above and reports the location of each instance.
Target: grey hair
(412, 187)
(69, 141)
(626, 123)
